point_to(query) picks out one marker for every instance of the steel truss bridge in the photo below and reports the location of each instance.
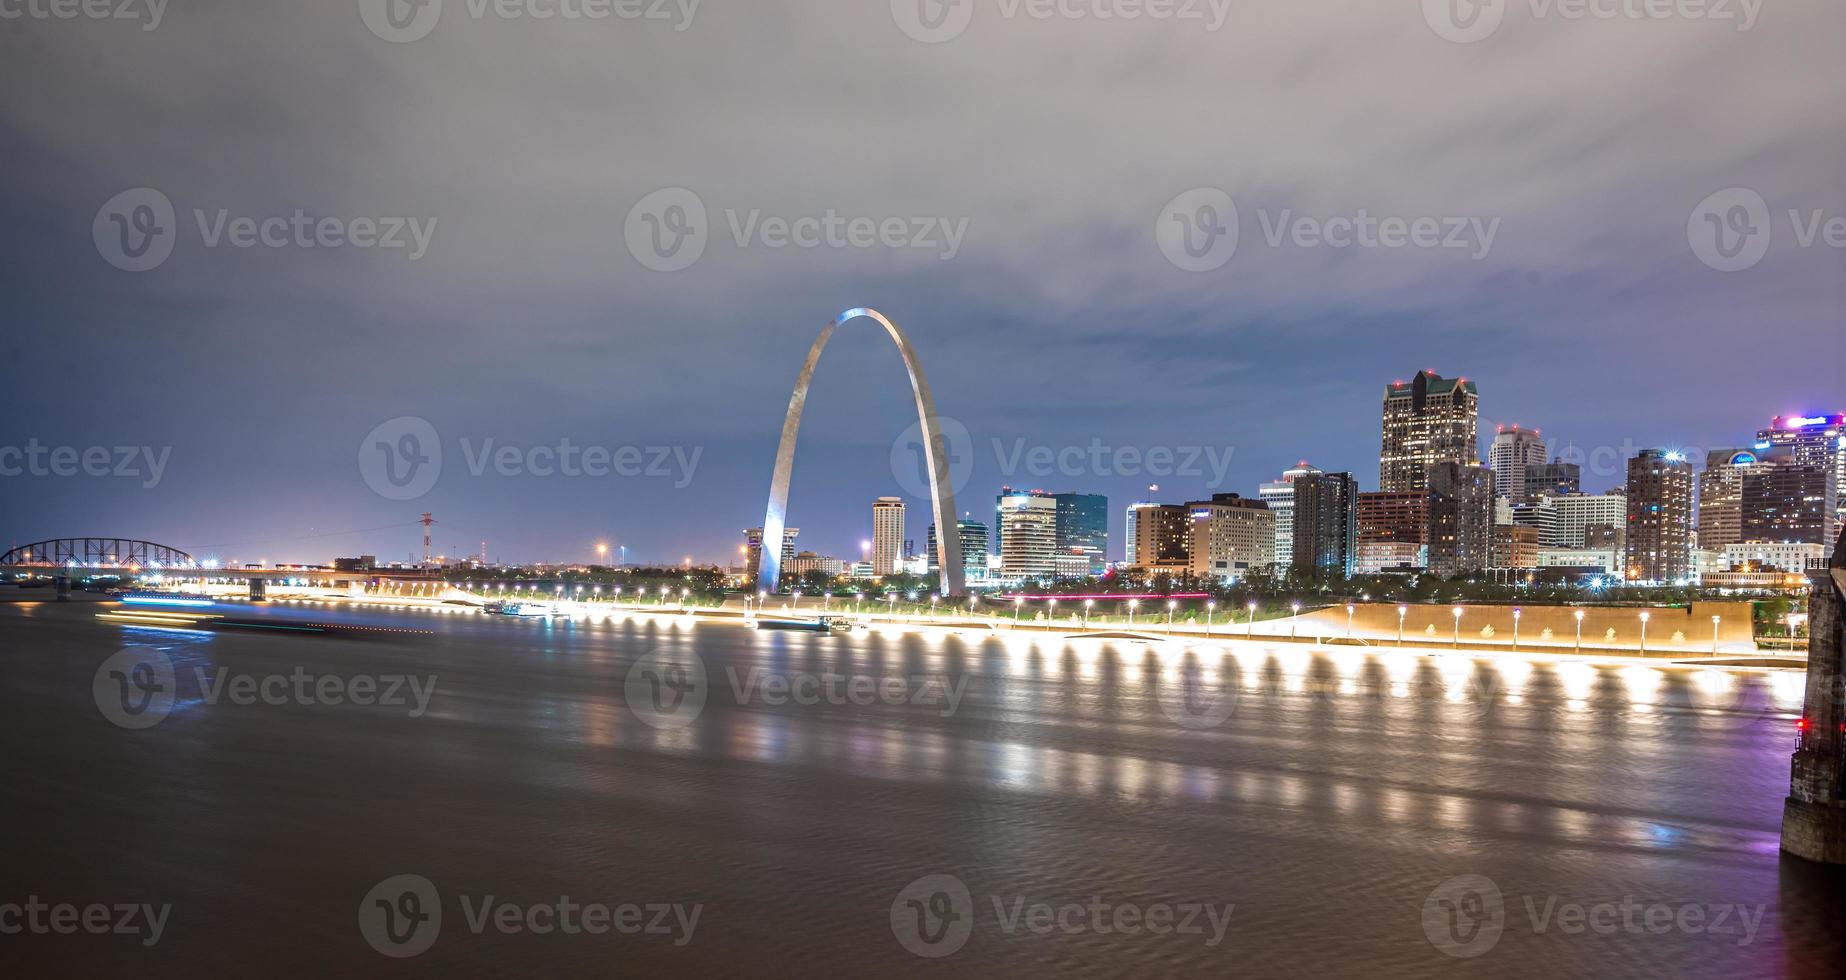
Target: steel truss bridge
(97, 553)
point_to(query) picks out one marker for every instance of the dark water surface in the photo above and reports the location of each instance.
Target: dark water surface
(1603, 821)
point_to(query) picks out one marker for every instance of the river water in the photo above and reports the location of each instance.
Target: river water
(727, 802)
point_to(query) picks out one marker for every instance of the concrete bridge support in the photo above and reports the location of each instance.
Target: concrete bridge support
(259, 589)
(1814, 815)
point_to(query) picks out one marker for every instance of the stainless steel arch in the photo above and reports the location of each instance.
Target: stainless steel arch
(941, 494)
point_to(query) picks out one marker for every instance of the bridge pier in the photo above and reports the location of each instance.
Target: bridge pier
(62, 585)
(1814, 815)
(259, 589)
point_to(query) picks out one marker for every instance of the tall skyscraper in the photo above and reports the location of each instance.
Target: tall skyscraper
(1515, 453)
(1814, 440)
(1232, 536)
(1460, 518)
(1326, 522)
(1280, 496)
(887, 534)
(1027, 523)
(1659, 536)
(1083, 527)
(1721, 497)
(1430, 419)
(973, 549)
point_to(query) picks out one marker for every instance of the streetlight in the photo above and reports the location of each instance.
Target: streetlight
(1249, 629)
(1210, 606)
(1349, 608)
(1401, 612)
(1714, 633)
(1171, 605)
(602, 552)
(933, 599)
(1644, 618)
(1053, 614)
(1087, 605)
(1516, 614)
(1132, 604)
(1294, 621)
(1579, 615)
(1018, 600)
(1457, 611)
(1791, 633)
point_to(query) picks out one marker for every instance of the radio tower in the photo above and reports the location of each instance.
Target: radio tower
(426, 522)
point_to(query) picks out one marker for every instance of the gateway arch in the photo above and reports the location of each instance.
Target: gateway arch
(941, 493)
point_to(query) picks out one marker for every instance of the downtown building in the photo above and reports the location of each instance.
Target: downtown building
(1815, 440)
(753, 550)
(1393, 532)
(1554, 479)
(1326, 523)
(1580, 516)
(887, 535)
(1461, 505)
(1083, 528)
(1428, 420)
(1026, 523)
(1720, 521)
(973, 536)
(1232, 536)
(1658, 546)
(1280, 496)
(1162, 540)
(1516, 454)
(1786, 500)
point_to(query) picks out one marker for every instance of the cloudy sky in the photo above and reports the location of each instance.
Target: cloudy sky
(1617, 226)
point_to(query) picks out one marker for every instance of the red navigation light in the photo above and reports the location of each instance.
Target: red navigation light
(1802, 724)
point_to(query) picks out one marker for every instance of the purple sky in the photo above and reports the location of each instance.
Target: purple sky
(1051, 150)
